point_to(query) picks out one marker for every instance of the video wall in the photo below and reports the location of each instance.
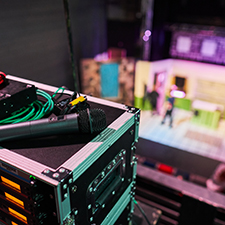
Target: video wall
(198, 43)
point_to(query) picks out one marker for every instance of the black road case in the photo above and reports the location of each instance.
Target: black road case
(71, 179)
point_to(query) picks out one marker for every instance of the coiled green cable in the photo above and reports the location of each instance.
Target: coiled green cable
(34, 111)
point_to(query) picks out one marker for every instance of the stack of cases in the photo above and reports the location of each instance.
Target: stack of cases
(72, 179)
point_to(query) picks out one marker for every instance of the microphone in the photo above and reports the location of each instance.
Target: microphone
(86, 121)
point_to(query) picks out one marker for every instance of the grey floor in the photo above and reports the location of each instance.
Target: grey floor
(184, 135)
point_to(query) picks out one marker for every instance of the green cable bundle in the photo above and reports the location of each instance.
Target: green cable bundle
(34, 111)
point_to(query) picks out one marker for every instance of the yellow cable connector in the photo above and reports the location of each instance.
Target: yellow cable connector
(77, 100)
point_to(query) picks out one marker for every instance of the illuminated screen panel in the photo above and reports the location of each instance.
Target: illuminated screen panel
(183, 44)
(10, 183)
(17, 214)
(14, 199)
(208, 48)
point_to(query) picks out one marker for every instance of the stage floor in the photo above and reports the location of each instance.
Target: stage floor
(184, 135)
